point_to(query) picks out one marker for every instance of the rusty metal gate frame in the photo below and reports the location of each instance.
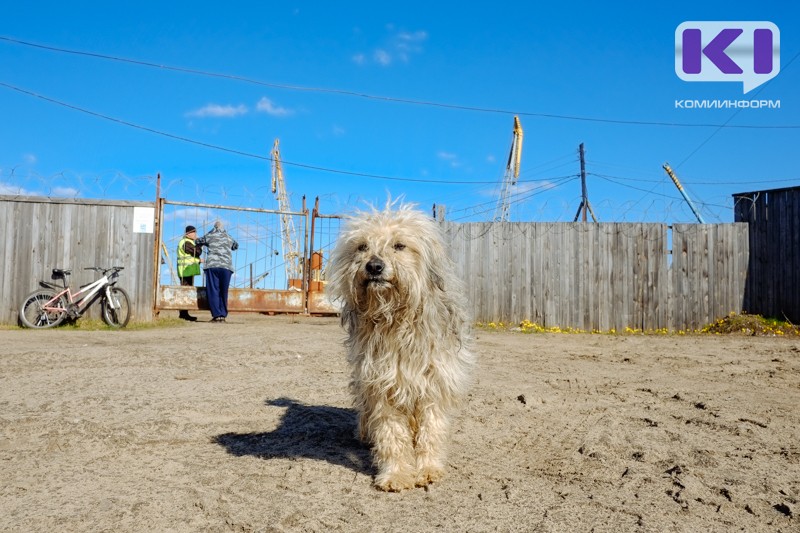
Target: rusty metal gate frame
(306, 300)
(318, 303)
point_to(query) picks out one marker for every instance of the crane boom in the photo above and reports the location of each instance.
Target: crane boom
(291, 256)
(677, 183)
(511, 174)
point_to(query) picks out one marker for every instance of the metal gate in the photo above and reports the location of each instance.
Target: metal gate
(324, 232)
(274, 271)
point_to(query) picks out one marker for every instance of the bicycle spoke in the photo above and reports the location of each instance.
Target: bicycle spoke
(42, 309)
(117, 308)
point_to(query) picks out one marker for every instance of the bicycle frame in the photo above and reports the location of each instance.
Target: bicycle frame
(78, 302)
(56, 302)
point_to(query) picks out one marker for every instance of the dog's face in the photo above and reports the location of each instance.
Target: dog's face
(386, 256)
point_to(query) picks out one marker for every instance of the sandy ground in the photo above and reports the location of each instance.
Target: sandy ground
(247, 426)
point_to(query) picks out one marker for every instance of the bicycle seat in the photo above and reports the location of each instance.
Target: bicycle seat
(59, 273)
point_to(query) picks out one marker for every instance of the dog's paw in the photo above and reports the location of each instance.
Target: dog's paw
(428, 475)
(394, 482)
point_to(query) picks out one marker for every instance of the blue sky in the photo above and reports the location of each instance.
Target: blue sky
(370, 101)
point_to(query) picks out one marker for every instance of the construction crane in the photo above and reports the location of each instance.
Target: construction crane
(291, 256)
(511, 175)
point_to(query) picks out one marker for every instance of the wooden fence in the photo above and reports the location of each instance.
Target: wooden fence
(773, 281)
(601, 276)
(39, 234)
(586, 276)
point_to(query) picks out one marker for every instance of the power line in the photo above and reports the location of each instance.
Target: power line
(606, 178)
(385, 98)
(609, 179)
(719, 128)
(519, 197)
(652, 192)
(724, 124)
(640, 180)
(240, 152)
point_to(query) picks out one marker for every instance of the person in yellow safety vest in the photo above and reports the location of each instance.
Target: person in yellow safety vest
(188, 263)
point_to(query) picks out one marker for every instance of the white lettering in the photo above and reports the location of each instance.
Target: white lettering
(727, 104)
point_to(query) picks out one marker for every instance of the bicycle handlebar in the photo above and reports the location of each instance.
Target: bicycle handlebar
(105, 270)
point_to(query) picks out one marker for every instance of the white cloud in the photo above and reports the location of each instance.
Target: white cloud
(65, 192)
(397, 46)
(14, 190)
(194, 216)
(382, 57)
(521, 189)
(29, 159)
(416, 37)
(265, 105)
(450, 158)
(409, 43)
(218, 111)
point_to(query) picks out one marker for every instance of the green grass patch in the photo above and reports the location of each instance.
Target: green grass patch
(753, 325)
(92, 324)
(732, 324)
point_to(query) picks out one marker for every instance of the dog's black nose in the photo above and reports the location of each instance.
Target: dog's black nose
(375, 266)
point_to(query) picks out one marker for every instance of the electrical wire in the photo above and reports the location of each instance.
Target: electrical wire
(640, 180)
(343, 92)
(724, 124)
(517, 198)
(239, 152)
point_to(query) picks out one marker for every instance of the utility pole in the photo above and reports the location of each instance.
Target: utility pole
(438, 212)
(585, 206)
(677, 183)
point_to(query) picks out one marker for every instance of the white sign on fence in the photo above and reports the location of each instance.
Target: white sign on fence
(143, 219)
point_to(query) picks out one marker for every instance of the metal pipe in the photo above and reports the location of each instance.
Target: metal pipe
(157, 244)
(677, 183)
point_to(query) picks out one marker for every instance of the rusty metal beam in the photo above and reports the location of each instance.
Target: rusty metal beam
(176, 297)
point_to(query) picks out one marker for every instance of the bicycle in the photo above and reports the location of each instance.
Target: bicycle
(53, 304)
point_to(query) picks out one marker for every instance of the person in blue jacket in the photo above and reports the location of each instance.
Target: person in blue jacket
(219, 268)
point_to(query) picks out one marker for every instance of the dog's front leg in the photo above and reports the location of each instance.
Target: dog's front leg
(431, 439)
(393, 448)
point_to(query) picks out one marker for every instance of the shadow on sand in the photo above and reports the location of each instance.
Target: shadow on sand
(311, 431)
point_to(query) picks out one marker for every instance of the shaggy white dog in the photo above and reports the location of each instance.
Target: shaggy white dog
(408, 340)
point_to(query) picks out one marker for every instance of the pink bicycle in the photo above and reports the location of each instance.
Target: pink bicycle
(53, 304)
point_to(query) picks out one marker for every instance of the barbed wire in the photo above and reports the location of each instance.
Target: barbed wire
(545, 201)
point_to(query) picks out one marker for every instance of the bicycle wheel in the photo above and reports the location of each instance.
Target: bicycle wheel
(117, 312)
(33, 314)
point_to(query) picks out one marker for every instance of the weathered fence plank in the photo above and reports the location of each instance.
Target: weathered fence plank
(587, 276)
(773, 274)
(45, 233)
(601, 276)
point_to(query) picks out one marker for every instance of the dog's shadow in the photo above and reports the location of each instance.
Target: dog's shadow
(316, 432)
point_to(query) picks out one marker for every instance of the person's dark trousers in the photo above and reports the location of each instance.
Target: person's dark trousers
(217, 282)
(188, 281)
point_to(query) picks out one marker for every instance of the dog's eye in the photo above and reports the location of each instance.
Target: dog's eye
(399, 246)
(362, 247)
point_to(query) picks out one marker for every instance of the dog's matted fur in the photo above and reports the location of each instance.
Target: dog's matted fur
(408, 340)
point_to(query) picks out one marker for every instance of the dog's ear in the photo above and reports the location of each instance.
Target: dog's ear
(437, 263)
(436, 278)
(349, 318)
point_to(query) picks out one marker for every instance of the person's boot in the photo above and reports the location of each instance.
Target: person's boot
(184, 314)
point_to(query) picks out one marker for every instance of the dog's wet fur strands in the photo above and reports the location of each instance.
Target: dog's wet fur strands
(408, 340)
